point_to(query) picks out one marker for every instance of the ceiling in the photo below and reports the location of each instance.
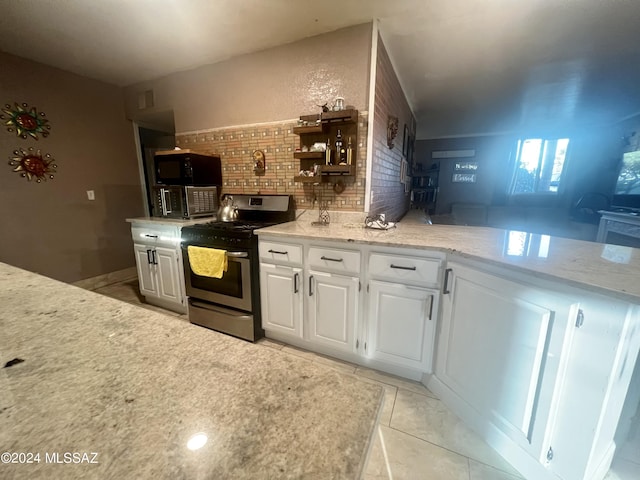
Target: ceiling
(467, 66)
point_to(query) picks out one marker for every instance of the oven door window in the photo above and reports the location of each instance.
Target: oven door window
(229, 285)
(232, 290)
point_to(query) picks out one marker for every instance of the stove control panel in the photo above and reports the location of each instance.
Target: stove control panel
(214, 240)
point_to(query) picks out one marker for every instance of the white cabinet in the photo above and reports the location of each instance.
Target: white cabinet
(402, 324)
(538, 368)
(599, 369)
(281, 299)
(502, 349)
(281, 289)
(402, 310)
(146, 274)
(313, 296)
(332, 304)
(159, 264)
(167, 263)
(333, 310)
(159, 273)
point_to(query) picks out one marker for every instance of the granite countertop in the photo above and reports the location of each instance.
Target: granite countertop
(608, 269)
(133, 386)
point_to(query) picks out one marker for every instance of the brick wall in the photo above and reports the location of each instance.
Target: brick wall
(235, 146)
(387, 193)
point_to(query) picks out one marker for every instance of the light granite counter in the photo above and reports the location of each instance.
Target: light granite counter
(133, 386)
(608, 269)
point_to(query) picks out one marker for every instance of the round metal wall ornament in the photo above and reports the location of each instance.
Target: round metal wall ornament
(25, 121)
(33, 165)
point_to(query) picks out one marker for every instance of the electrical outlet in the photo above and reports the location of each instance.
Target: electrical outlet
(91, 195)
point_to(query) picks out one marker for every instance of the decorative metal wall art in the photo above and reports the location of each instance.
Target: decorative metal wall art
(392, 130)
(25, 121)
(33, 165)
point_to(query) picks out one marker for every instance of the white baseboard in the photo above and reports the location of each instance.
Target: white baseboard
(107, 279)
(398, 371)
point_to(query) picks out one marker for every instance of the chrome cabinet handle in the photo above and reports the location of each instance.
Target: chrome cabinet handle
(295, 283)
(310, 285)
(431, 308)
(445, 286)
(149, 257)
(237, 254)
(279, 253)
(153, 257)
(331, 259)
(399, 267)
(150, 236)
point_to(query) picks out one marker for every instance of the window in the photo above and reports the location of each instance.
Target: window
(539, 164)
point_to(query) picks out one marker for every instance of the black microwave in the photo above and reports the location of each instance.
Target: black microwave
(182, 167)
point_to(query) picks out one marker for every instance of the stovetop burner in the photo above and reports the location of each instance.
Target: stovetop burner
(254, 211)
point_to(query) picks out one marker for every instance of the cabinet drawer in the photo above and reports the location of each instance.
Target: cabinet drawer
(334, 259)
(156, 235)
(405, 269)
(280, 252)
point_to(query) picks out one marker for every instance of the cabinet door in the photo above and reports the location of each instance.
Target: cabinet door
(281, 299)
(402, 324)
(333, 309)
(501, 350)
(168, 275)
(146, 274)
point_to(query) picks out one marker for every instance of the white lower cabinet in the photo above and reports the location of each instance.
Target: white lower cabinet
(502, 349)
(333, 310)
(282, 299)
(159, 264)
(146, 276)
(401, 324)
(159, 273)
(313, 296)
(539, 369)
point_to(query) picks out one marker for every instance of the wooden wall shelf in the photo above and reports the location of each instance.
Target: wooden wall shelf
(340, 116)
(308, 129)
(305, 155)
(330, 122)
(338, 169)
(314, 179)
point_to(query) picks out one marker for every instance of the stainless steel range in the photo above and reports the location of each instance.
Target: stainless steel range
(231, 304)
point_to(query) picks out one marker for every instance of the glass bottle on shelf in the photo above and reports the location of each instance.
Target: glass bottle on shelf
(349, 152)
(341, 153)
(327, 153)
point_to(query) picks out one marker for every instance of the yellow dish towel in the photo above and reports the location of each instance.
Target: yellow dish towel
(207, 262)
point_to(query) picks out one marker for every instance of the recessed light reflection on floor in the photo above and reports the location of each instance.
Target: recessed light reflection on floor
(197, 441)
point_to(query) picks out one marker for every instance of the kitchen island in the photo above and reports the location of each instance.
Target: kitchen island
(90, 379)
(501, 325)
(609, 269)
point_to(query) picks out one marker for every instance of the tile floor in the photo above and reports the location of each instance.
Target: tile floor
(417, 436)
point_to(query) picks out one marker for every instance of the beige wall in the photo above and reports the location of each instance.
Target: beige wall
(280, 83)
(249, 102)
(387, 193)
(51, 228)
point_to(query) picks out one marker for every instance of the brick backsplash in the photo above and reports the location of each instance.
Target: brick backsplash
(235, 146)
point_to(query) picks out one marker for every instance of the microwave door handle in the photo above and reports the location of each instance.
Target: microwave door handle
(163, 201)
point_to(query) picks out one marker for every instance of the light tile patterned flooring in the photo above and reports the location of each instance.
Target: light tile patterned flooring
(417, 436)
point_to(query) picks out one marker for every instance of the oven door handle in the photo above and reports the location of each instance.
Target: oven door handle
(237, 254)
